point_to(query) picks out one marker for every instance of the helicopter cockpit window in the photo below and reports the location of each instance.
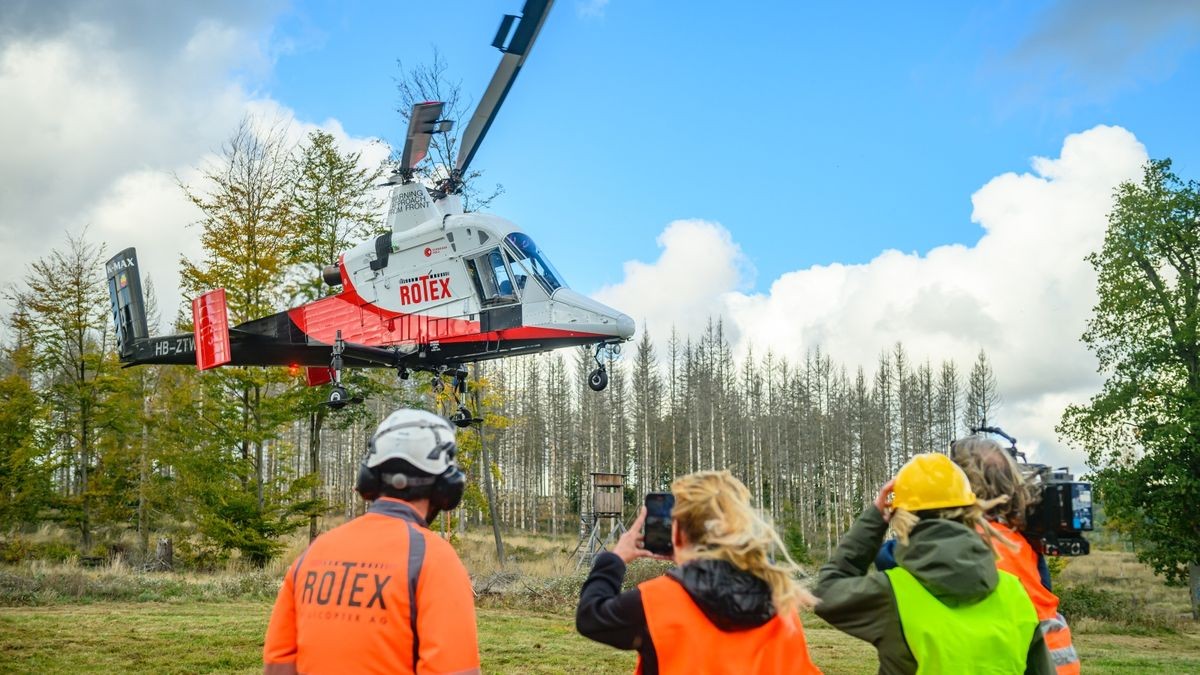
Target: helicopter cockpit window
(527, 255)
(491, 277)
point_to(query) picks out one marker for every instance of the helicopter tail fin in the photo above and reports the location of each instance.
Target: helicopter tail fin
(210, 320)
(128, 305)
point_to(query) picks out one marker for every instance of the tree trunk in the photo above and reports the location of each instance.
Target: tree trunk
(164, 554)
(143, 478)
(258, 454)
(487, 474)
(316, 420)
(1194, 585)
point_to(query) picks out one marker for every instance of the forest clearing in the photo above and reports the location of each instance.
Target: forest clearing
(291, 381)
(58, 618)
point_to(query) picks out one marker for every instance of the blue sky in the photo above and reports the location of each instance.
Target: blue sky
(807, 173)
(813, 133)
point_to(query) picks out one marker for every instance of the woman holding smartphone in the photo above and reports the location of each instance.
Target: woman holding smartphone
(727, 607)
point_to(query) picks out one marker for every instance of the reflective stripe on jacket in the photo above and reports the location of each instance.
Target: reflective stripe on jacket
(988, 636)
(687, 642)
(346, 605)
(1022, 563)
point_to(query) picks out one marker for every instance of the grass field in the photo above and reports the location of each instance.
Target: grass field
(65, 619)
(197, 637)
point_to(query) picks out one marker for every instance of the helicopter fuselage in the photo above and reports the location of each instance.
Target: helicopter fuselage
(447, 289)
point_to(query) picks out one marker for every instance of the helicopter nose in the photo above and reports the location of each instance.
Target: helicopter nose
(625, 326)
(581, 313)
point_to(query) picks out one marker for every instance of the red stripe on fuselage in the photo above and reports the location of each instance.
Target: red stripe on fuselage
(365, 323)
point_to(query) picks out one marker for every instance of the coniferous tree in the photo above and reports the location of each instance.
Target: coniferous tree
(246, 229)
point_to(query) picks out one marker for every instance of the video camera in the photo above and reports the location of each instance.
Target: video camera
(1055, 523)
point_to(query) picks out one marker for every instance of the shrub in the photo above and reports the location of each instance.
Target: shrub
(1096, 603)
(793, 539)
(37, 586)
(1057, 564)
(20, 549)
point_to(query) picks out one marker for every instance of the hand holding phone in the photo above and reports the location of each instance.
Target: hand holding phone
(657, 531)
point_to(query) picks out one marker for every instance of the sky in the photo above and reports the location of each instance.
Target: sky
(841, 176)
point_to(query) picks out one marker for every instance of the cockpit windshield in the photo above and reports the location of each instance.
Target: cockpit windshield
(528, 255)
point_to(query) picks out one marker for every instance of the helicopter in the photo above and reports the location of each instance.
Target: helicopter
(440, 289)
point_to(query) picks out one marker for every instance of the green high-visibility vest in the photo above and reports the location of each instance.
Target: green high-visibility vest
(990, 636)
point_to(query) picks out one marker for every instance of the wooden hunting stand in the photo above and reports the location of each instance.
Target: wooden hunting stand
(608, 499)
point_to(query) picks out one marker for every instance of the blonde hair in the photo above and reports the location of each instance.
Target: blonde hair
(973, 516)
(993, 474)
(712, 509)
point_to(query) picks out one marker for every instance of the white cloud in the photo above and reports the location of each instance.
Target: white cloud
(1023, 292)
(592, 9)
(1087, 50)
(699, 265)
(105, 103)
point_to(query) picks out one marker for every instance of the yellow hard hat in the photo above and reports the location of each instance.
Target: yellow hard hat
(931, 481)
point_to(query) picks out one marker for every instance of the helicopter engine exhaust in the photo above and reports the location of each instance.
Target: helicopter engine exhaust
(332, 275)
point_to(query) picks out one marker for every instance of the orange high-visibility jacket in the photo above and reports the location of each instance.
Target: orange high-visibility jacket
(346, 604)
(687, 642)
(1022, 563)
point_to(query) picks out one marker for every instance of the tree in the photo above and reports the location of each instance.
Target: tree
(24, 472)
(982, 397)
(430, 82)
(247, 229)
(334, 207)
(1142, 431)
(63, 318)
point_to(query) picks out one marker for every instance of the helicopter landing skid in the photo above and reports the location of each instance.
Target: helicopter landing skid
(598, 378)
(461, 417)
(338, 397)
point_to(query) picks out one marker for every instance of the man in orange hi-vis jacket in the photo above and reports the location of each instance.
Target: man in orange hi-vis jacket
(382, 594)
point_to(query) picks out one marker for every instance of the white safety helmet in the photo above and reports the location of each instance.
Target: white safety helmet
(421, 438)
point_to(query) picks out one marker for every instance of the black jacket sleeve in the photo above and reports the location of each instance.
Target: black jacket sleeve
(607, 615)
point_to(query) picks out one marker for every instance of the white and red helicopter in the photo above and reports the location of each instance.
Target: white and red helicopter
(442, 289)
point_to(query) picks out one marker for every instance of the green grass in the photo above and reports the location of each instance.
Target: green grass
(60, 618)
(197, 637)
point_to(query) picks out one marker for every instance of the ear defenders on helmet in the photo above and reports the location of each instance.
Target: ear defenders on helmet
(448, 491)
(447, 487)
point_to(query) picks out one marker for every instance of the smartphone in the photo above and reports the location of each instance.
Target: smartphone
(656, 534)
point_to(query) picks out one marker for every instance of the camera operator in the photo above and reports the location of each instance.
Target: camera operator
(994, 475)
(727, 608)
(382, 593)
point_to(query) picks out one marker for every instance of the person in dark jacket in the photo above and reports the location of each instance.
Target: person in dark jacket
(727, 608)
(944, 608)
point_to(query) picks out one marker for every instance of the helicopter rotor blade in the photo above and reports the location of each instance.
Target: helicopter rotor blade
(533, 15)
(422, 124)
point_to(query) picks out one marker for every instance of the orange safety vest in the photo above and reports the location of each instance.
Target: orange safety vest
(1022, 563)
(687, 642)
(380, 594)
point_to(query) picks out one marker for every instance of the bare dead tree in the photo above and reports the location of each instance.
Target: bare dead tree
(430, 81)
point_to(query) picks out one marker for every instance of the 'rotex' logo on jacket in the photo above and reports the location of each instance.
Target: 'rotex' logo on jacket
(426, 288)
(346, 584)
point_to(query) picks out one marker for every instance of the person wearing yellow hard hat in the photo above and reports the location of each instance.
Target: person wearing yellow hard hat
(944, 608)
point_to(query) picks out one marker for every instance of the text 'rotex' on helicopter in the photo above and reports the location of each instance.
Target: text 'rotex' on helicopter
(441, 289)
